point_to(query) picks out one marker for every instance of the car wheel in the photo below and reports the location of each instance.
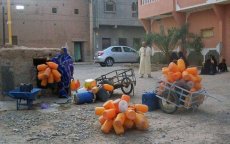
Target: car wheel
(103, 64)
(109, 62)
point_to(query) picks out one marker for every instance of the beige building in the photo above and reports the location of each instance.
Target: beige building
(51, 23)
(86, 25)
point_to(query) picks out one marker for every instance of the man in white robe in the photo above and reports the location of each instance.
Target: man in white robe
(145, 53)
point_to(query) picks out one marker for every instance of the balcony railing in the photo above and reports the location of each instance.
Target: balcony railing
(145, 2)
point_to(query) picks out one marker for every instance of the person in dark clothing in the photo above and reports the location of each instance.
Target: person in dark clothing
(66, 68)
(209, 66)
(214, 64)
(206, 67)
(222, 67)
(181, 56)
(174, 57)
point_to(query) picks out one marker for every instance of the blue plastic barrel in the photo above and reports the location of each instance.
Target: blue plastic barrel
(84, 97)
(150, 99)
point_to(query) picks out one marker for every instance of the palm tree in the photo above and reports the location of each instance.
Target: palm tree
(190, 41)
(166, 42)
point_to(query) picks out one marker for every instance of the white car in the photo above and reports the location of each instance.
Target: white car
(116, 54)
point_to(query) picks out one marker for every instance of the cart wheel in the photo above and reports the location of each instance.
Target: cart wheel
(127, 87)
(168, 107)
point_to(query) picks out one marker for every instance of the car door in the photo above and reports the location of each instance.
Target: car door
(130, 55)
(116, 53)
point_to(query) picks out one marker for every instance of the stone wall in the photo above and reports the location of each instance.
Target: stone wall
(16, 66)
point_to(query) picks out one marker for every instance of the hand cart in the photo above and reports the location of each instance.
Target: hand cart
(171, 97)
(123, 78)
(29, 97)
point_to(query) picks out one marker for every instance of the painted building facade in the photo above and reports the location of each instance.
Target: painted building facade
(85, 25)
(116, 23)
(210, 18)
(51, 24)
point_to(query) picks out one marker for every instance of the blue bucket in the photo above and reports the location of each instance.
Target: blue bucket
(150, 99)
(84, 97)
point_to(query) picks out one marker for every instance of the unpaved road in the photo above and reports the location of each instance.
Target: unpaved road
(210, 124)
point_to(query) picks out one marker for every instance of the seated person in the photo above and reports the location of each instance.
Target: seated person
(65, 67)
(208, 67)
(222, 67)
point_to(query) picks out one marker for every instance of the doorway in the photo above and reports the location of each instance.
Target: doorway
(78, 56)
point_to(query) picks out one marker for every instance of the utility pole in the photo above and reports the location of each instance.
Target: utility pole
(3, 25)
(9, 22)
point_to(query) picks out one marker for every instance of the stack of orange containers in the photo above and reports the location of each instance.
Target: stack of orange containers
(120, 115)
(175, 72)
(48, 73)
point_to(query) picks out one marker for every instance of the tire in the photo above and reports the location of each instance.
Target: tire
(127, 87)
(166, 106)
(103, 64)
(109, 62)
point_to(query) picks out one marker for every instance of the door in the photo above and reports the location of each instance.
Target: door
(106, 42)
(78, 52)
(117, 54)
(130, 55)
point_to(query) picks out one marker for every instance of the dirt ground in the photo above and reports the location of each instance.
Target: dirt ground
(209, 124)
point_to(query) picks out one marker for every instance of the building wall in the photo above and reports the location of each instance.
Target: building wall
(120, 32)
(156, 8)
(187, 3)
(118, 24)
(204, 20)
(121, 16)
(37, 26)
(168, 22)
(226, 43)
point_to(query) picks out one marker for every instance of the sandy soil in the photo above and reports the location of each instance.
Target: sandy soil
(209, 124)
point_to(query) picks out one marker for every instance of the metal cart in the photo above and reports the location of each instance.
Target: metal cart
(171, 97)
(29, 97)
(123, 78)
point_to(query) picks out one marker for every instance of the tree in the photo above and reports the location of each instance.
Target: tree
(190, 41)
(174, 37)
(166, 42)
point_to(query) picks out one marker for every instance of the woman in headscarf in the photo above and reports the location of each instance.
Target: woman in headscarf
(65, 67)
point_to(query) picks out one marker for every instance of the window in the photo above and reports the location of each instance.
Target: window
(110, 6)
(15, 40)
(134, 6)
(134, 9)
(122, 41)
(106, 42)
(76, 11)
(207, 33)
(116, 49)
(54, 10)
(126, 49)
(136, 43)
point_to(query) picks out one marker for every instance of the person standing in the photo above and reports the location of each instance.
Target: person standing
(145, 53)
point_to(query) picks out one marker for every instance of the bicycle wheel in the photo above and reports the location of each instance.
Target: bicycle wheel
(169, 107)
(127, 87)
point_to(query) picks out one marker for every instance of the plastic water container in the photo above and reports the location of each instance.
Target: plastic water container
(84, 97)
(102, 95)
(150, 99)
